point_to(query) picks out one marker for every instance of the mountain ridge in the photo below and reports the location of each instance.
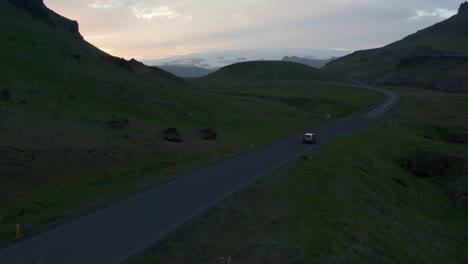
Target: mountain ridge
(442, 42)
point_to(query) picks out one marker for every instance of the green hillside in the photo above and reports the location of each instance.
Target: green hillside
(272, 70)
(433, 58)
(393, 193)
(80, 128)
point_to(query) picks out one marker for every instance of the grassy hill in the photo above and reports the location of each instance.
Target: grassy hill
(316, 63)
(272, 70)
(433, 58)
(186, 71)
(80, 128)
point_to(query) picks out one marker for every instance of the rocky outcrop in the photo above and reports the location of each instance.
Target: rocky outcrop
(121, 62)
(34, 7)
(37, 9)
(463, 7)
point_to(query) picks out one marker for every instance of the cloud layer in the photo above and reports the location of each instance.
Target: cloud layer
(147, 29)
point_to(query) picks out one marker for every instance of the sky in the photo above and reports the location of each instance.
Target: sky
(152, 29)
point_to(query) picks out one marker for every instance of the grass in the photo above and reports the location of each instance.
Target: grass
(351, 201)
(72, 165)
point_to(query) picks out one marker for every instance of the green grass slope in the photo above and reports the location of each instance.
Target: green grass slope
(272, 70)
(444, 45)
(80, 128)
(394, 193)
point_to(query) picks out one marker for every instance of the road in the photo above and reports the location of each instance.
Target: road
(115, 233)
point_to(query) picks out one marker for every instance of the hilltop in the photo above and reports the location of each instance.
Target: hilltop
(433, 58)
(316, 63)
(186, 70)
(272, 70)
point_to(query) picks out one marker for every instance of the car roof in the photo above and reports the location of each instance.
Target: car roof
(308, 134)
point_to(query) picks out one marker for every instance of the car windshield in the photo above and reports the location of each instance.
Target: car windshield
(308, 136)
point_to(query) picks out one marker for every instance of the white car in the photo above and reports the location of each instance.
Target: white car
(309, 138)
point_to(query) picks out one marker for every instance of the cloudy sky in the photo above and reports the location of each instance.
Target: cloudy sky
(150, 29)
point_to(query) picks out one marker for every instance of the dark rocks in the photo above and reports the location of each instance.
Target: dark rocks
(23, 101)
(71, 96)
(172, 135)
(5, 95)
(72, 26)
(118, 122)
(136, 63)
(209, 134)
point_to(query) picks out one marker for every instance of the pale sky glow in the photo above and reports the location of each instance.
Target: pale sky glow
(149, 29)
(438, 12)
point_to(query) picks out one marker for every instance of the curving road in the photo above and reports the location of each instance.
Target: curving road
(115, 233)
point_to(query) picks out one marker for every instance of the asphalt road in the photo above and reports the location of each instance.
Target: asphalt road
(115, 233)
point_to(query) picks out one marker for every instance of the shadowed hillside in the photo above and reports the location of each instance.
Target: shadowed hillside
(272, 70)
(433, 58)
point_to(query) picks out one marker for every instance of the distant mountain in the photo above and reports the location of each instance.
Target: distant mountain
(433, 58)
(186, 70)
(273, 70)
(316, 63)
(218, 59)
